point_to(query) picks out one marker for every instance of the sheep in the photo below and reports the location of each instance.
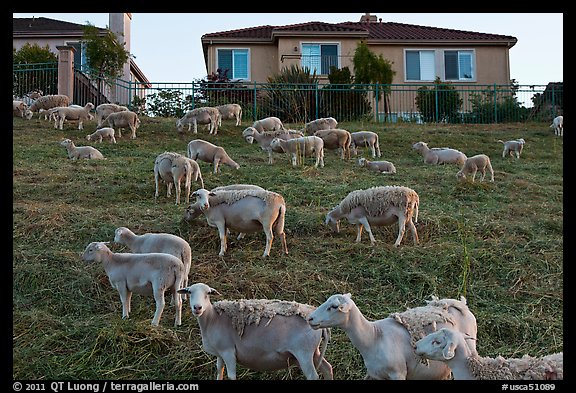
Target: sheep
(78, 152)
(203, 115)
(172, 168)
(378, 206)
(202, 150)
(123, 119)
(30, 97)
(301, 147)
(365, 138)
(324, 123)
(377, 166)
(103, 110)
(230, 111)
(157, 242)
(387, 345)
(268, 124)
(259, 334)
(19, 108)
(264, 138)
(147, 274)
(450, 346)
(245, 211)
(479, 162)
(49, 102)
(72, 113)
(99, 134)
(439, 155)
(513, 147)
(336, 139)
(558, 125)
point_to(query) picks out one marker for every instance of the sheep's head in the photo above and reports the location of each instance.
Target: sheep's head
(28, 114)
(202, 198)
(118, 234)
(332, 222)
(335, 311)
(199, 297)
(439, 345)
(419, 146)
(362, 161)
(193, 211)
(66, 142)
(461, 175)
(93, 251)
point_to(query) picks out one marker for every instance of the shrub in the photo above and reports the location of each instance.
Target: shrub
(440, 103)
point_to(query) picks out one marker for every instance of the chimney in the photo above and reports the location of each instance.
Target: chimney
(119, 24)
(367, 18)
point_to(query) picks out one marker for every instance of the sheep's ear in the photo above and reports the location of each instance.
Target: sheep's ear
(99, 246)
(448, 351)
(212, 291)
(183, 290)
(345, 306)
(211, 194)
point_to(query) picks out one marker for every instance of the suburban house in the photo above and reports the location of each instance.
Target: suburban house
(57, 34)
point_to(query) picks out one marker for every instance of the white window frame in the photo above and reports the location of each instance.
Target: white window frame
(473, 65)
(439, 64)
(338, 51)
(249, 70)
(435, 51)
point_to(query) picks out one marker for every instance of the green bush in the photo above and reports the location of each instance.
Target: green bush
(441, 103)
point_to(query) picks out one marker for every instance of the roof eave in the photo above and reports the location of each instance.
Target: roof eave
(224, 40)
(508, 43)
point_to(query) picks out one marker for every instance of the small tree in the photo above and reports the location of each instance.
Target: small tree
(34, 69)
(339, 101)
(106, 56)
(33, 54)
(440, 103)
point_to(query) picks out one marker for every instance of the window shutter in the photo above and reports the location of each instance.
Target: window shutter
(240, 64)
(225, 61)
(412, 65)
(329, 57)
(451, 65)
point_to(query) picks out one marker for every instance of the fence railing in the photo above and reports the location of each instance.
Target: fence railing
(38, 76)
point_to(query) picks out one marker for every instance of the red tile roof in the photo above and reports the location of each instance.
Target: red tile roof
(44, 25)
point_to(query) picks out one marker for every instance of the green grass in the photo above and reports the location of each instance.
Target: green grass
(500, 244)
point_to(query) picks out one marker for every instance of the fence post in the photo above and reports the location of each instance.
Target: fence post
(436, 111)
(193, 96)
(495, 107)
(66, 71)
(254, 106)
(316, 92)
(553, 103)
(376, 98)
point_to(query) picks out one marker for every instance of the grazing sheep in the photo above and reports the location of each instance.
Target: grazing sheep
(439, 155)
(202, 115)
(19, 108)
(301, 147)
(244, 211)
(387, 345)
(172, 168)
(378, 206)
(324, 123)
(78, 152)
(479, 162)
(367, 139)
(558, 125)
(513, 148)
(123, 119)
(101, 133)
(336, 139)
(230, 111)
(377, 166)
(259, 334)
(72, 113)
(103, 110)
(450, 346)
(264, 138)
(268, 124)
(49, 102)
(157, 242)
(147, 274)
(202, 150)
(29, 97)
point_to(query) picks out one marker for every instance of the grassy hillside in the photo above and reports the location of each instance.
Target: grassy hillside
(499, 244)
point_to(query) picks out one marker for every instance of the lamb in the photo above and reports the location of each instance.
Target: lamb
(202, 150)
(268, 124)
(123, 119)
(99, 134)
(378, 206)
(230, 111)
(259, 334)
(78, 152)
(479, 162)
(377, 166)
(147, 274)
(157, 242)
(324, 123)
(301, 147)
(250, 134)
(49, 102)
(513, 148)
(202, 115)
(387, 345)
(558, 125)
(368, 139)
(439, 155)
(172, 168)
(450, 346)
(103, 110)
(73, 113)
(244, 211)
(336, 139)
(19, 108)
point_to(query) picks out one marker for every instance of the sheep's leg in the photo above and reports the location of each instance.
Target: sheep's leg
(156, 174)
(482, 173)
(112, 139)
(325, 369)
(474, 174)
(125, 296)
(322, 158)
(364, 222)
(241, 236)
(306, 363)
(119, 132)
(413, 230)
(373, 151)
(216, 163)
(401, 229)
(294, 160)
(269, 239)
(359, 233)
(223, 234)
(177, 187)
(178, 300)
(219, 368)
(133, 128)
(81, 127)
(195, 126)
(159, 298)
(229, 358)
(169, 187)
(378, 151)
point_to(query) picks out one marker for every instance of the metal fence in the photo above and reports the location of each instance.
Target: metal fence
(30, 77)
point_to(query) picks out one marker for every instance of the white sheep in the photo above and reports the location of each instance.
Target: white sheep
(103, 110)
(268, 124)
(203, 115)
(123, 119)
(323, 123)
(244, 211)
(366, 139)
(19, 108)
(264, 138)
(301, 147)
(173, 169)
(72, 113)
(387, 345)
(202, 150)
(230, 111)
(99, 134)
(558, 125)
(79, 152)
(377, 166)
(49, 102)
(259, 334)
(479, 162)
(157, 242)
(513, 147)
(451, 347)
(336, 138)
(439, 155)
(378, 206)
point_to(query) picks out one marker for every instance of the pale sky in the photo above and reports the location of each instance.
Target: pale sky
(167, 46)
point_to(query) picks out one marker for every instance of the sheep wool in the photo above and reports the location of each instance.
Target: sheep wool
(377, 200)
(525, 368)
(232, 196)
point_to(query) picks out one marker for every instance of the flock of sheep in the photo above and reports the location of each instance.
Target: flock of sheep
(434, 341)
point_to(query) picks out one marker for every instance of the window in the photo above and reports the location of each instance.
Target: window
(319, 57)
(458, 65)
(80, 60)
(420, 65)
(235, 61)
